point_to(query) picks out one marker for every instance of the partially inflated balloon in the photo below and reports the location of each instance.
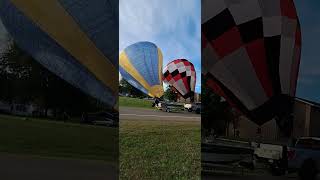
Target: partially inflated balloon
(251, 54)
(181, 74)
(74, 39)
(141, 65)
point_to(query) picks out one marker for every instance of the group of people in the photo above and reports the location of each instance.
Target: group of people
(156, 102)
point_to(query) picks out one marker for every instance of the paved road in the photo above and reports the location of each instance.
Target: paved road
(129, 113)
(16, 167)
(252, 177)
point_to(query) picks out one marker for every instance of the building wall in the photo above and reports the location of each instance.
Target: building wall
(315, 122)
(249, 130)
(299, 121)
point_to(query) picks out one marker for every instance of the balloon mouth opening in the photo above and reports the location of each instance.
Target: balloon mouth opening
(279, 106)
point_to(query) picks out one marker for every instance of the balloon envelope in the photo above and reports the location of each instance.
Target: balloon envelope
(181, 74)
(141, 65)
(75, 39)
(251, 54)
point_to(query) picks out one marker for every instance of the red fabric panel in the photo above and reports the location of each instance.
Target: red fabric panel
(257, 55)
(177, 77)
(298, 36)
(288, 9)
(295, 70)
(185, 82)
(204, 41)
(227, 42)
(168, 78)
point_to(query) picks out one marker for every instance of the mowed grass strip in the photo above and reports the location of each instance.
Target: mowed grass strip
(135, 102)
(159, 150)
(57, 139)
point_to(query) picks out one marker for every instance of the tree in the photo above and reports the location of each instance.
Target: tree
(216, 113)
(127, 88)
(170, 95)
(24, 80)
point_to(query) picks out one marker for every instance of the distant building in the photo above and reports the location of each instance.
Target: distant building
(306, 122)
(307, 118)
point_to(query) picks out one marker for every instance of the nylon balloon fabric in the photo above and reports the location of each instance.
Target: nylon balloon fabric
(75, 39)
(251, 54)
(141, 65)
(181, 74)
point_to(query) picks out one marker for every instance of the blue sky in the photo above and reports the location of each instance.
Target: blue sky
(173, 25)
(309, 75)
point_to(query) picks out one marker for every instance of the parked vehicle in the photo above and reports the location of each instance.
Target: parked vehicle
(188, 107)
(101, 118)
(196, 107)
(304, 157)
(172, 107)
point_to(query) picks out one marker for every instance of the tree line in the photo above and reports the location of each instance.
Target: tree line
(24, 81)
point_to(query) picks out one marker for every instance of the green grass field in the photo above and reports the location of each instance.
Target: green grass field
(57, 139)
(135, 102)
(159, 150)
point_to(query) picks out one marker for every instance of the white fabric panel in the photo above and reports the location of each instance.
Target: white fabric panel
(285, 64)
(244, 10)
(240, 70)
(289, 27)
(180, 64)
(211, 8)
(270, 8)
(271, 26)
(180, 87)
(192, 83)
(227, 78)
(188, 73)
(181, 69)
(172, 67)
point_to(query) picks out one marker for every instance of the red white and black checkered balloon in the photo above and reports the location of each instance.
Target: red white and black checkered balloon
(251, 54)
(181, 74)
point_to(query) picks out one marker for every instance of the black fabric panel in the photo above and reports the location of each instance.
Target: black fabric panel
(175, 72)
(189, 80)
(219, 24)
(166, 74)
(272, 48)
(183, 74)
(279, 106)
(251, 30)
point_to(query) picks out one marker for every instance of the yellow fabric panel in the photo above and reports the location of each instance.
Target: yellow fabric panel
(160, 61)
(51, 17)
(157, 90)
(126, 64)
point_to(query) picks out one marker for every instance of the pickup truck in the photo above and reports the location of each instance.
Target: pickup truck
(304, 157)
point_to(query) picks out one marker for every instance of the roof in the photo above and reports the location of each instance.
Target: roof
(311, 103)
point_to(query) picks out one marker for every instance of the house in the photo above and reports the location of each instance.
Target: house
(306, 122)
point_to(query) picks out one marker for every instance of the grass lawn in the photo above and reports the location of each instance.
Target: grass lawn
(57, 139)
(159, 150)
(135, 102)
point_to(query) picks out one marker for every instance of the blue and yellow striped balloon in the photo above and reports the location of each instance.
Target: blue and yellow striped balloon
(141, 65)
(74, 39)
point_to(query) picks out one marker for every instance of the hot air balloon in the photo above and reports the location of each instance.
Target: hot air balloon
(141, 65)
(181, 75)
(251, 55)
(74, 39)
